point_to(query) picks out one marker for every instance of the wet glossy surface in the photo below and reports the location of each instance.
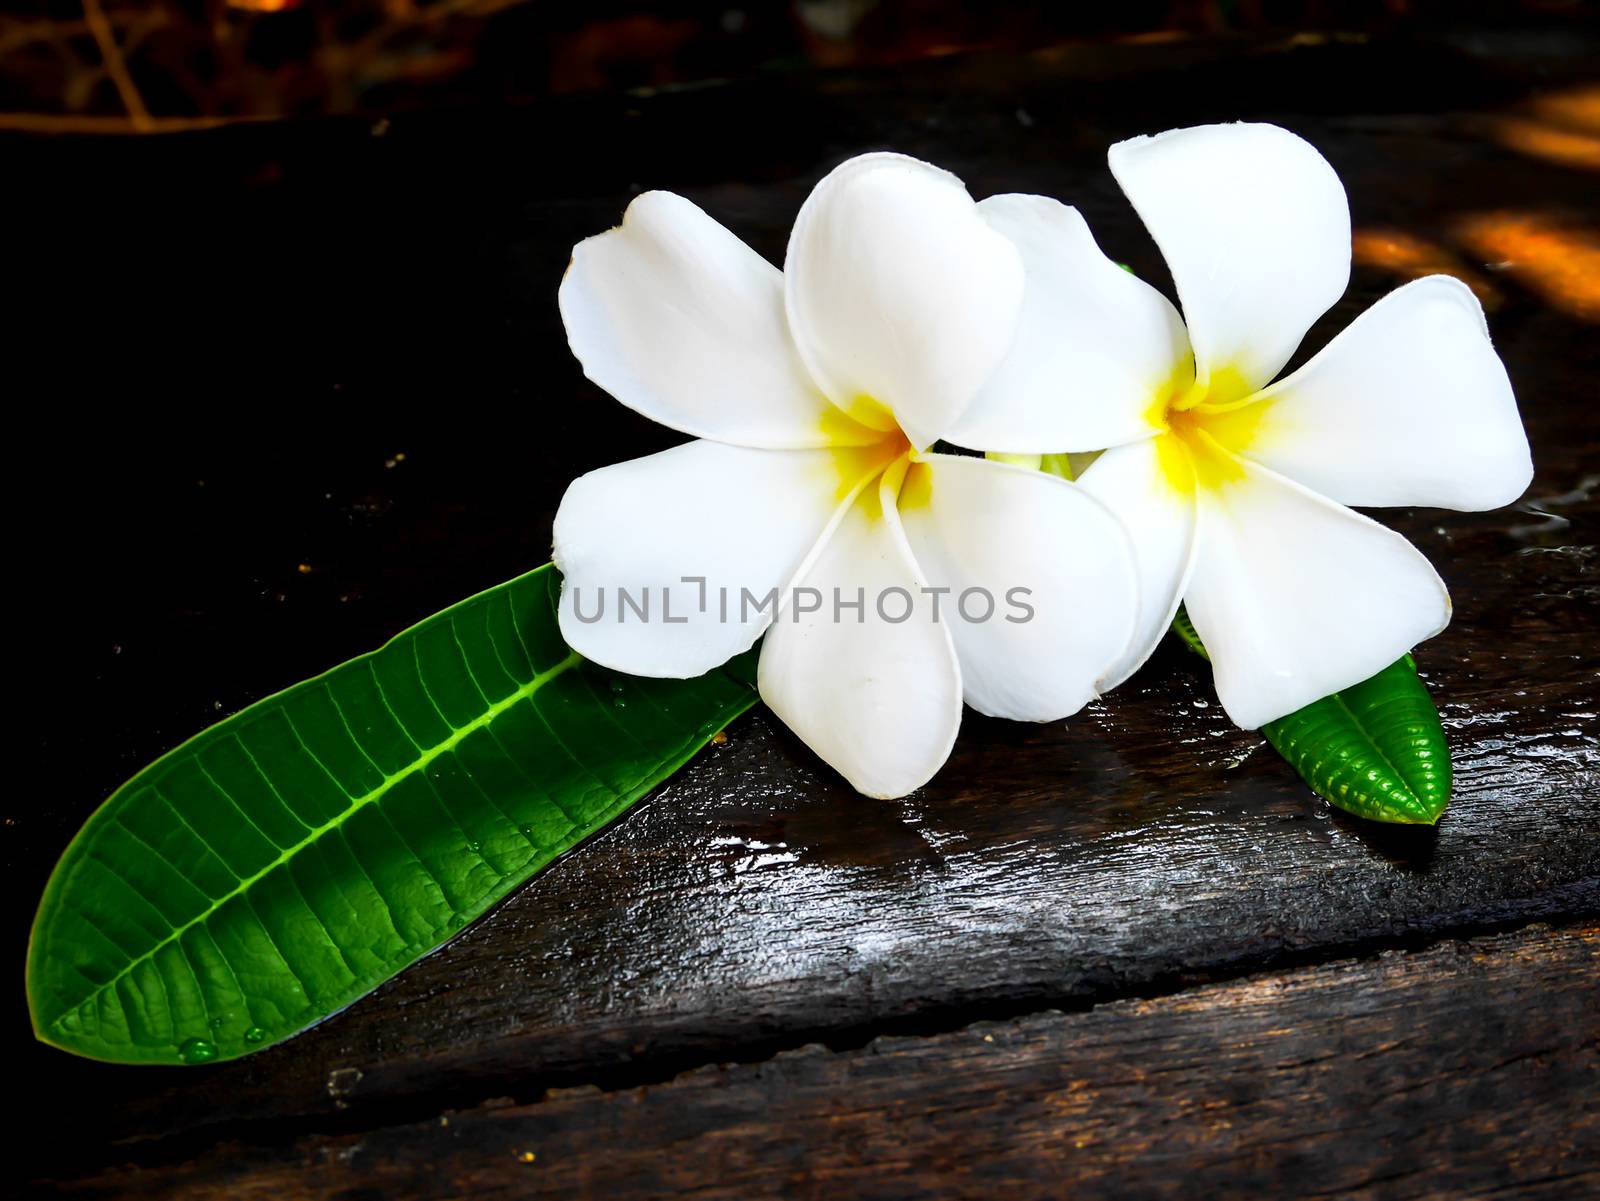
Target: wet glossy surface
(340, 400)
(1382, 1046)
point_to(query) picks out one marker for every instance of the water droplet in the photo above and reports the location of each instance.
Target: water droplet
(1200, 704)
(457, 921)
(616, 685)
(474, 847)
(342, 1081)
(619, 702)
(525, 830)
(255, 1034)
(216, 1023)
(197, 1050)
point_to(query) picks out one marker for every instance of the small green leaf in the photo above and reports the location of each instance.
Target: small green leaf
(1031, 462)
(1184, 629)
(1059, 465)
(1376, 749)
(284, 862)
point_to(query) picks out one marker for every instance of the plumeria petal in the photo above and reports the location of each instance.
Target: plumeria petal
(901, 297)
(1408, 406)
(1039, 578)
(1150, 488)
(878, 699)
(1297, 597)
(734, 517)
(1255, 227)
(684, 323)
(1096, 347)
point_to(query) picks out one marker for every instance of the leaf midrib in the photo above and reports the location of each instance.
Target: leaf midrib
(1394, 768)
(457, 735)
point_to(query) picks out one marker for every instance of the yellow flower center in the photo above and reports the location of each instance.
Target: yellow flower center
(858, 464)
(1203, 426)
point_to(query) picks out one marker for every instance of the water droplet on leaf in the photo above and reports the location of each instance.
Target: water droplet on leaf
(197, 1050)
(474, 847)
(254, 1035)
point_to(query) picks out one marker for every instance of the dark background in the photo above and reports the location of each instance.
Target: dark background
(280, 388)
(143, 64)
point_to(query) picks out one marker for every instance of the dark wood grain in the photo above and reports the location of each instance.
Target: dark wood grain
(1402, 1076)
(327, 298)
(757, 904)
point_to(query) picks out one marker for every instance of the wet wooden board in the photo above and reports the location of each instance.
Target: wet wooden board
(365, 410)
(1419, 1074)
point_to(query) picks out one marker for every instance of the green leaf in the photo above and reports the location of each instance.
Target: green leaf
(1376, 749)
(279, 865)
(1184, 629)
(1059, 465)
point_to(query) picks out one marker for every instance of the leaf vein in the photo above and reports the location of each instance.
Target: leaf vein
(315, 758)
(526, 692)
(200, 838)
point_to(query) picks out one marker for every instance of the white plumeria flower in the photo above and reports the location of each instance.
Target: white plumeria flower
(815, 393)
(1234, 488)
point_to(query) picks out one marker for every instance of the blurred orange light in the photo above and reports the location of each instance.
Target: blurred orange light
(1556, 259)
(264, 6)
(1564, 146)
(1575, 109)
(1411, 257)
(1559, 127)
